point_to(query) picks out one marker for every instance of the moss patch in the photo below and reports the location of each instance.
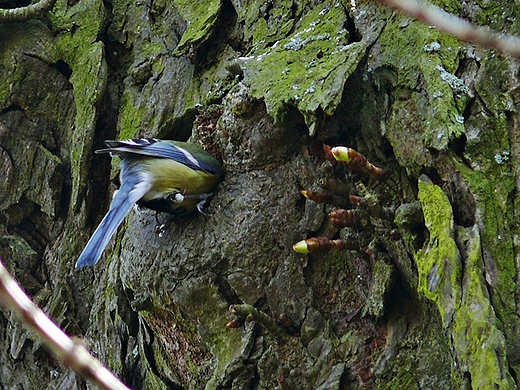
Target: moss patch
(429, 100)
(438, 263)
(193, 342)
(492, 181)
(308, 69)
(264, 25)
(479, 343)
(77, 44)
(461, 296)
(495, 79)
(200, 19)
(130, 117)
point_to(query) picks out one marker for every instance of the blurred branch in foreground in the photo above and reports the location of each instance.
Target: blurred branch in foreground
(457, 27)
(22, 14)
(71, 353)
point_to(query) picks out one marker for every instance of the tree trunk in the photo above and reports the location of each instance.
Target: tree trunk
(425, 296)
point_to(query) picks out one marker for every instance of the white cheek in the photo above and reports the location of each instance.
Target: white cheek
(179, 198)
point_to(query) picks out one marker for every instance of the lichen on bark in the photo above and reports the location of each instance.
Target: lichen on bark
(452, 277)
(438, 263)
(308, 68)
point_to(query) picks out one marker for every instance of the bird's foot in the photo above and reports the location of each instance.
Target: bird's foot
(161, 228)
(203, 200)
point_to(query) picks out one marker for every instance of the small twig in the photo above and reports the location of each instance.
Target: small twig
(457, 27)
(250, 313)
(354, 161)
(341, 218)
(22, 14)
(322, 245)
(324, 197)
(66, 350)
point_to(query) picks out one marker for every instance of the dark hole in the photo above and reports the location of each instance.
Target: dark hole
(63, 68)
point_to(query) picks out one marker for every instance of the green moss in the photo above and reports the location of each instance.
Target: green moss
(498, 15)
(211, 313)
(462, 298)
(487, 140)
(479, 343)
(130, 117)
(492, 193)
(175, 347)
(193, 344)
(152, 49)
(382, 279)
(200, 18)
(264, 27)
(408, 219)
(5, 89)
(260, 30)
(211, 86)
(438, 263)
(152, 381)
(492, 182)
(77, 45)
(402, 379)
(308, 69)
(494, 81)
(429, 99)
(451, 6)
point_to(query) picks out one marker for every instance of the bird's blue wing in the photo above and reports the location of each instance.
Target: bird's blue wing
(132, 189)
(181, 152)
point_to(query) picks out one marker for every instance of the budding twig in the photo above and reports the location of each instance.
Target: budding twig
(318, 197)
(321, 245)
(324, 197)
(250, 313)
(356, 161)
(64, 348)
(341, 218)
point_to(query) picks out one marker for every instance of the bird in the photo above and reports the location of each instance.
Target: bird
(163, 175)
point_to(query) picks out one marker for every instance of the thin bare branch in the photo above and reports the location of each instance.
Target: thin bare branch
(22, 14)
(66, 350)
(457, 27)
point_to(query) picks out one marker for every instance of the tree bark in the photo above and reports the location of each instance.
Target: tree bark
(427, 298)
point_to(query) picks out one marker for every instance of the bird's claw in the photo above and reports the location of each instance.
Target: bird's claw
(203, 200)
(200, 207)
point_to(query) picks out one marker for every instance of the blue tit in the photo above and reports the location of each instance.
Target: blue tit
(170, 176)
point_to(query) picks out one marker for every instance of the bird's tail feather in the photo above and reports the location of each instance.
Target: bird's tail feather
(124, 199)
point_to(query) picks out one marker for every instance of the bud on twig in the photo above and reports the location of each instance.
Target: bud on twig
(356, 161)
(318, 197)
(320, 245)
(341, 218)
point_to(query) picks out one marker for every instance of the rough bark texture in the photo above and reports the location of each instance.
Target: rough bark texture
(428, 301)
